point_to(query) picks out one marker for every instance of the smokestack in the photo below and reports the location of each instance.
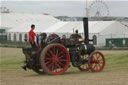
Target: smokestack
(86, 33)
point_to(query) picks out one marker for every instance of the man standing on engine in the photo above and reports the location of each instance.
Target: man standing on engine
(31, 40)
(32, 36)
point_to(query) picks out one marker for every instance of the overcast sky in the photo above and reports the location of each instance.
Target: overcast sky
(65, 8)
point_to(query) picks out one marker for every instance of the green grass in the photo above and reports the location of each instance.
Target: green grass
(113, 62)
(15, 44)
(117, 62)
(11, 63)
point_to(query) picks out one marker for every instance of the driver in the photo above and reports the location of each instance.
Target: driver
(76, 35)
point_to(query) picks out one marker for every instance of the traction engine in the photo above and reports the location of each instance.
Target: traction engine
(57, 53)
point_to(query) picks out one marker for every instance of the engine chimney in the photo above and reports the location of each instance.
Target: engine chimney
(86, 31)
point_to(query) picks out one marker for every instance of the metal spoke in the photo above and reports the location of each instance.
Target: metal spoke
(58, 65)
(49, 65)
(101, 59)
(94, 66)
(52, 67)
(47, 62)
(60, 53)
(54, 49)
(48, 54)
(61, 64)
(57, 52)
(51, 52)
(61, 56)
(94, 58)
(55, 68)
(99, 65)
(98, 57)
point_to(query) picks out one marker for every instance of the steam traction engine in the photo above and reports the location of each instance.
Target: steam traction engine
(54, 58)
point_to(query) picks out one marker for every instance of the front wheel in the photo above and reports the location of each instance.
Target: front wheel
(84, 66)
(96, 61)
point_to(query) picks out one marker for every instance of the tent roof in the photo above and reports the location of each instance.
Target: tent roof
(20, 22)
(94, 26)
(44, 23)
(102, 27)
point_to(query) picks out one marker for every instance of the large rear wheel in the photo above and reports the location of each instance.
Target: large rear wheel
(96, 61)
(54, 59)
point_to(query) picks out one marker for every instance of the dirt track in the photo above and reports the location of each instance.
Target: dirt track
(69, 78)
(118, 76)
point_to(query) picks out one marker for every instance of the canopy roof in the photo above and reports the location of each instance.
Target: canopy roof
(45, 23)
(21, 22)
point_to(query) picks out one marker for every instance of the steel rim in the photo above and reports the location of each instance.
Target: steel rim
(56, 59)
(97, 61)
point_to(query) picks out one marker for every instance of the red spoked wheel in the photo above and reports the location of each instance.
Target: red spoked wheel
(84, 66)
(54, 59)
(96, 61)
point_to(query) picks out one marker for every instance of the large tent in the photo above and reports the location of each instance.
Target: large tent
(101, 29)
(19, 25)
(14, 20)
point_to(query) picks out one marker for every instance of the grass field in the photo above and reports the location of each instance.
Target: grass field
(14, 44)
(114, 73)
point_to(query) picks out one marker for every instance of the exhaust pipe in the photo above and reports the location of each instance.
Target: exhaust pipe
(86, 31)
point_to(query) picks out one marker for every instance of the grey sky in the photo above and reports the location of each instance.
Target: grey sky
(61, 8)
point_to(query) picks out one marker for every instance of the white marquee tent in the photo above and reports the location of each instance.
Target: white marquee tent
(19, 25)
(102, 29)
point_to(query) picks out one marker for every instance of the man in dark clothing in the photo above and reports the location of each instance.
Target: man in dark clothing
(76, 35)
(43, 40)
